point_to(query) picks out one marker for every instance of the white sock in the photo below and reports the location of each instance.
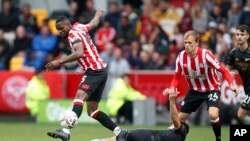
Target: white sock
(66, 130)
(216, 120)
(246, 119)
(117, 130)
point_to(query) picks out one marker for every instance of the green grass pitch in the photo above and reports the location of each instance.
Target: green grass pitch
(19, 131)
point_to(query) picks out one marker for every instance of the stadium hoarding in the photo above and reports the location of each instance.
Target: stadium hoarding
(63, 85)
(50, 111)
(13, 85)
(12, 93)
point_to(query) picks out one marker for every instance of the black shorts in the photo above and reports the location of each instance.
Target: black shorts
(155, 135)
(246, 102)
(93, 83)
(194, 99)
(140, 135)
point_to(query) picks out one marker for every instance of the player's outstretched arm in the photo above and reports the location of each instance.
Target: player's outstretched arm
(77, 54)
(232, 73)
(96, 20)
(70, 58)
(173, 110)
(228, 76)
(214, 63)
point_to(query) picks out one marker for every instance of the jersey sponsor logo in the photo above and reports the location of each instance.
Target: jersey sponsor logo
(13, 92)
(196, 75)
(237, 59)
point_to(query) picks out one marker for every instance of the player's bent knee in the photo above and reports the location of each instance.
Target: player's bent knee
(213, 114)
(81, 95)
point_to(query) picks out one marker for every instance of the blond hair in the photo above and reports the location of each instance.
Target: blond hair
(192, 33)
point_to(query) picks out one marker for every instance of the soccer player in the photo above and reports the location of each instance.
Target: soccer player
(178, 133)
(200, 69)
(95, 74)
(239, 58)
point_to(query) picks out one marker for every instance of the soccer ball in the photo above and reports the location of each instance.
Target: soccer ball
(68, 119)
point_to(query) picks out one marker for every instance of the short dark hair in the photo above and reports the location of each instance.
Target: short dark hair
(61, 18)
(243, 28)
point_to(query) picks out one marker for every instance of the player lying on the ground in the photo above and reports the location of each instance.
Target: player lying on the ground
(178, 133)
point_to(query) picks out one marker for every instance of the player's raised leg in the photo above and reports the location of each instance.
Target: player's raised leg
(104, 119)
(64, 133)
(97, 84)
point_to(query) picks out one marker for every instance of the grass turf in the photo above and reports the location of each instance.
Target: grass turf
(18, 131)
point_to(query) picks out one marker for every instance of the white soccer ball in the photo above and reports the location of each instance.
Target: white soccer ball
(68, 119)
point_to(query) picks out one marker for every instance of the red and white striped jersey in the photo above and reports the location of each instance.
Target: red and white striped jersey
(200, 71)
(91, 58)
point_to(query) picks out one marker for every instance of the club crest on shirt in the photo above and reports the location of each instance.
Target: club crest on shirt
(237, 59)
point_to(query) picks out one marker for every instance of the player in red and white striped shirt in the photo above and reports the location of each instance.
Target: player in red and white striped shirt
(200, 69)
(94, 68)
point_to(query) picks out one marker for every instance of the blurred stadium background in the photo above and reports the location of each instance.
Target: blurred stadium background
(141, 37)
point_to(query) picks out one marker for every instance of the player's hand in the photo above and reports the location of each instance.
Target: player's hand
(173, 92)
(170, 91)
(99, 12)
(232, 87)
(52, 65)
(165, 92)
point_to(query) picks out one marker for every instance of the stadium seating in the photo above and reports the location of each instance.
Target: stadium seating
(40, 14)
(57, 13)
(52, 27)
(16, 63)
